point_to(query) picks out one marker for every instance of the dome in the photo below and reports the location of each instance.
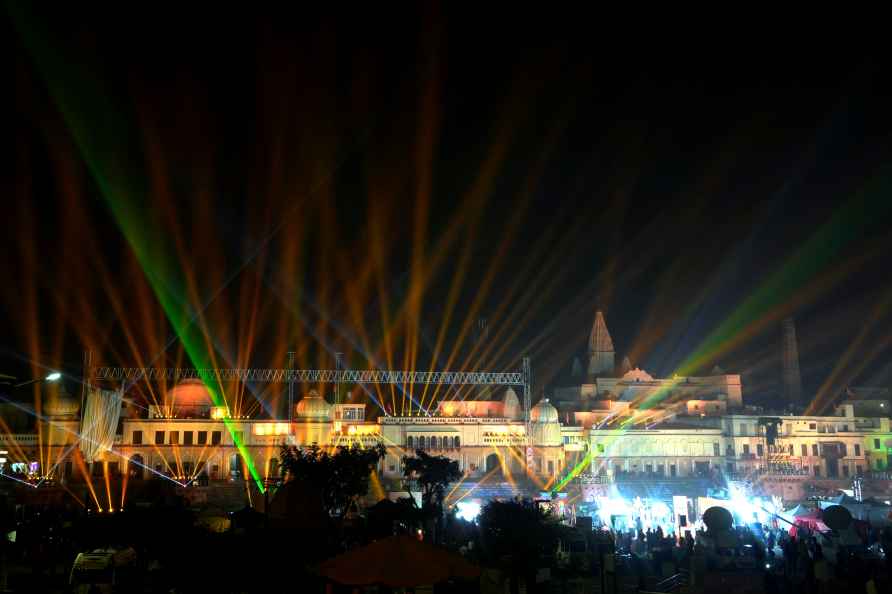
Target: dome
(63, 406)
(57, 402)
(511, 405)
(313, 407)
(544, 412)
(190, 393)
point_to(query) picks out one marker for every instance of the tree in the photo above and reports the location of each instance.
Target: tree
(431, 475)
(341, 477)
(518, 535)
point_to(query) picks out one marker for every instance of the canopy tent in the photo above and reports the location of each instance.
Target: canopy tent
(810, 524)
(842, 499)
(800, 511)
(397, 562)
(871, 511)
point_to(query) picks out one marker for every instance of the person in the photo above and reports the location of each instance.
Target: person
(821, 570)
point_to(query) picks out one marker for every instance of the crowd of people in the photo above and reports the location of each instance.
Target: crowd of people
(790, 560)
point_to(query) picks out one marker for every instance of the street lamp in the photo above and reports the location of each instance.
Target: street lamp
(52, 377)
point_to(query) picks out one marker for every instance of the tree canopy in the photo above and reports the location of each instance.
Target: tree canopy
(341, 476)
(520, 531)
(431, 474)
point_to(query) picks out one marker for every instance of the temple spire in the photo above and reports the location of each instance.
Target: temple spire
(600, 348)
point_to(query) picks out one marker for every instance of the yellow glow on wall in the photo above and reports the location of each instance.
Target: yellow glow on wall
(271, 429)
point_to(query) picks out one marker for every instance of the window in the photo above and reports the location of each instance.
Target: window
(661, 469)
(746, 449)
(845, 470)
(729, 450)
(174, 437)
(137, 438)
(817, 470)
(859, 470)
(760, 450)
(187, 469)
(845, 429)
(672, 470)
(814, 449)
(238, 436)
(215, 438)
(812, 426)
(410, 442)
(159, 437)
(456, 441)
(649, 468)
(187, 437)
(716, 450)
(857, 449)
(391, 468)
(421, 442)
(743, 428)
(551, 467)
(804, 450)
(202, 437)
(843, 450)
(876, 444)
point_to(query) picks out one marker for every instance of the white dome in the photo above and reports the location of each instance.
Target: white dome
(544, 412)
(313, 407)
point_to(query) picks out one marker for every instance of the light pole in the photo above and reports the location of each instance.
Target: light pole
(51, 377)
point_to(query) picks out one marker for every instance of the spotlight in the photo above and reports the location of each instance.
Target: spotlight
(54, 376)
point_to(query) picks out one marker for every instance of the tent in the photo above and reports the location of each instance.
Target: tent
(397, 562)
(800, 511)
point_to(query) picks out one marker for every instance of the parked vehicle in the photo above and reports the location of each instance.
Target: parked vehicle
(102, 570)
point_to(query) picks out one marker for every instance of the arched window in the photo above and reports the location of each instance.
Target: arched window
(274, 470)
(455, 442)
(421, 442)
(435, 443)
(410, 443)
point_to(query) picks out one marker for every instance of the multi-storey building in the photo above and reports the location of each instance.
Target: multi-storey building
(690, 428)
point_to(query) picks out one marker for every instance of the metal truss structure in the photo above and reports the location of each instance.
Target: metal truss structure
(273, 375)
(134, 375)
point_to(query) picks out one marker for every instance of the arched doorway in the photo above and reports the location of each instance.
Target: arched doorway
(235, 467)
(494, 463)
(135, 467)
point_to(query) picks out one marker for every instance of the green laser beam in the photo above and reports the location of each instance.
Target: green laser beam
(98, 128)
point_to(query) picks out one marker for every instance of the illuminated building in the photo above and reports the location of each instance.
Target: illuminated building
(718, 392)
(593, 433)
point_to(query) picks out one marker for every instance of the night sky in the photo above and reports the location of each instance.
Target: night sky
(285, 180)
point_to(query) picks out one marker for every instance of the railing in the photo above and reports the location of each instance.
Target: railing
(19, 438)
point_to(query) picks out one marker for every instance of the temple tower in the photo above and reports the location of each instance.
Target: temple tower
(601, 356)
(790, 362)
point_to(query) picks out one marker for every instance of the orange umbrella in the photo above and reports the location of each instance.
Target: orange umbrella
(398, 562)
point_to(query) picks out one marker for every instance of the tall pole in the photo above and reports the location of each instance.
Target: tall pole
(339, 364)
(85, 384)
(291, 386)
(527, 405)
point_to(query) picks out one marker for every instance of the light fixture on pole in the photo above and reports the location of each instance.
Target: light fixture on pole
(51, 377)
